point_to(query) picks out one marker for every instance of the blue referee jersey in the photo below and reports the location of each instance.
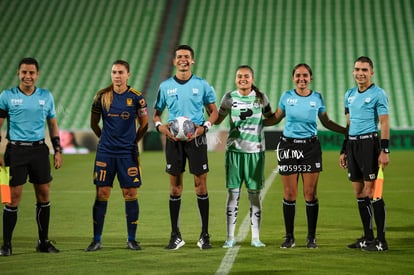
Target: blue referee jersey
(187, 99)
(301, 113)
(27, 114)
(364, 109)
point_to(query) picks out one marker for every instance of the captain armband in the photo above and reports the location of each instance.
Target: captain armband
(56, 144)
(385, 145)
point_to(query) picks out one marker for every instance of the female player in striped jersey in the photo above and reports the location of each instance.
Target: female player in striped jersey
(245, 156)
(299, 151)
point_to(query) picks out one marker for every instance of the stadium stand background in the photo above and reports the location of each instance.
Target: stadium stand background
(76, 42)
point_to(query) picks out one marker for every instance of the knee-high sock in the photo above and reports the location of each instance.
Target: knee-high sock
(42, 218)
(203, 207)
(175, 205)
(232, 209)
(289, 211)
(98, 214)
(9, 222)
(312, 210)
(365, 212)
(380, 218)
(132, 215)
(255, 213)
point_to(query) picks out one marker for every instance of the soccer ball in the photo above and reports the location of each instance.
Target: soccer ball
(182, 128)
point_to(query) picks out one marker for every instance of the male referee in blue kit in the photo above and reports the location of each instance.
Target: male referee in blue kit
(27, 109)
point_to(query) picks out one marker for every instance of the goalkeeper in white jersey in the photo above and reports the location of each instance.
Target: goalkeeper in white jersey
(245, 156)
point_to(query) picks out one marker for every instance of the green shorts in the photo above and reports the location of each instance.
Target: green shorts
(245, 167)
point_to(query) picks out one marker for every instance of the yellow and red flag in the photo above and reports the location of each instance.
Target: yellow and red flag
(379, 182)
(4, 184)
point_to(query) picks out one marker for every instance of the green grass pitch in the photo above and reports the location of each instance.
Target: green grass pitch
(73, 193)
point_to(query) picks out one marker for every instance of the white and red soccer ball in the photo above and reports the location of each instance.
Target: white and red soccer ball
(182, 128)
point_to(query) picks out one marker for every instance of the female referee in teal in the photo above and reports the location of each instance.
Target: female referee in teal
(299, 151)
(125, 121)
(245, 152)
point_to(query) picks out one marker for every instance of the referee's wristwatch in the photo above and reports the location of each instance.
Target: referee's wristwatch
(386, 150)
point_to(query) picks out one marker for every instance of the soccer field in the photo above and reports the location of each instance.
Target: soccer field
(339, 224)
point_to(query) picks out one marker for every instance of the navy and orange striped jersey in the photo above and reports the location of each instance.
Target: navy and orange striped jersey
(119, 113)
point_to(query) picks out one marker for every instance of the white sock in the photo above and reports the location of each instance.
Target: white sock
(232, 209)
(255, 213)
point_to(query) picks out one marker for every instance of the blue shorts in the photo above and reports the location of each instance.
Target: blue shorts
(126, 169)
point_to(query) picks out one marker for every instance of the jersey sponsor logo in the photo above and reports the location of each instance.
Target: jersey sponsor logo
(16, 101)
(125, 115)
(132, 171)
(129, 101)
(350, 99)
(289, 154)
(292, 101)
(172, 92)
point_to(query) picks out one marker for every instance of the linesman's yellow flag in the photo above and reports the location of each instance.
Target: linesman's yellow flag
(378, 185)
(4, 184)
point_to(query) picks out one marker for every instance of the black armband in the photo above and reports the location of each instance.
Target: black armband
(384, 145)
(56, 144)
(344, 144)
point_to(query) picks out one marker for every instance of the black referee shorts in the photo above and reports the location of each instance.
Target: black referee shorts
(177, 153)
(24, 161)
(299, 155)
(362, 157)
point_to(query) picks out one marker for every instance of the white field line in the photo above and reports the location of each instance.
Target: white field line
(230, 257)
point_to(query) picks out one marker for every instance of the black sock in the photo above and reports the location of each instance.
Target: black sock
(289, 211)
(42, 218)
(175, 205)
(132, 214)
(203, 207)
(98, 214)
(9, 222)
(365, 212)
(312, 210)
(379, 216)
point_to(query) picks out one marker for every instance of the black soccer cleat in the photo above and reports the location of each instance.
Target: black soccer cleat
(94, 246)
(288, 243)
(204, 241)
(5, 250)
(360, 243)
(133, 245)
(46, 247)
(377, 245)
(175, 241)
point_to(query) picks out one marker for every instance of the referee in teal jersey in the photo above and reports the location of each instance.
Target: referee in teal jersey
(27, 109)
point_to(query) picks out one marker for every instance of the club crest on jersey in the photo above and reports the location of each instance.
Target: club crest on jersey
(312, 104)
(195, 91)
(41, 102)
(367, 100)
(129, 101)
